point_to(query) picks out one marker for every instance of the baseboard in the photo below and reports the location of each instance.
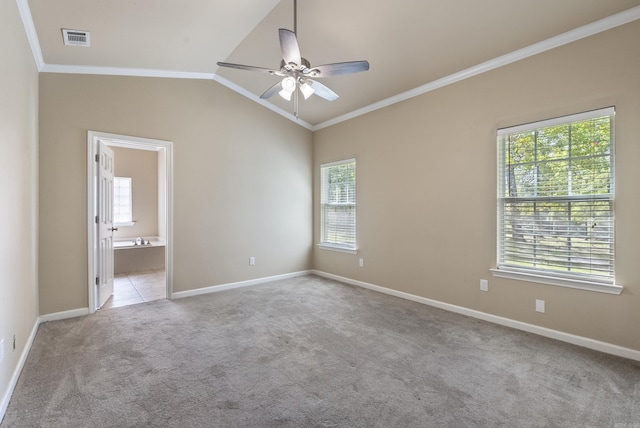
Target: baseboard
(6, 397)
(64, 315)
(233, 285)
(507, 322)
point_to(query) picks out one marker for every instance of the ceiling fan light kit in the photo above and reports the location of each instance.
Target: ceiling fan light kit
(296, 72)
(288, 87)
(307, 90)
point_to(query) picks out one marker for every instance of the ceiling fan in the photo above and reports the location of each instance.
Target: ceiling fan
(296, 72)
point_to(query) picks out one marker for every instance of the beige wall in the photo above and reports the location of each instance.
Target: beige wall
(426, 177)
(242, 179)
(142, 167)
(18, 175)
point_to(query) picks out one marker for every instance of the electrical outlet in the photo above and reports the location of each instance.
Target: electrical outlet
(14, 342)
(361, 263)
(252, 261)
(540, 306)
(484, 285)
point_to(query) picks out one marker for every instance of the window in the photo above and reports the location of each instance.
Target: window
(338, 205)
(555, 199)
(122, 201)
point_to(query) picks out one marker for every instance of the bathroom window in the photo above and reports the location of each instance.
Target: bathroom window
(122, 201)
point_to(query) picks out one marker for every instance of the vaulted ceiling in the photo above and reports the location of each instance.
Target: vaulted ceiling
(412, 45)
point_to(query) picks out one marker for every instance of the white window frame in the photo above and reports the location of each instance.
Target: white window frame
(350, 245)
(116, 187)
(579, 280)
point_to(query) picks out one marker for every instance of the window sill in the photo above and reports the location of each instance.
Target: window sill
(129, 223)
(560, 282)
(338, 249)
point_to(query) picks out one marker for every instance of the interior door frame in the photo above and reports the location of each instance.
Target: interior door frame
(92, 173)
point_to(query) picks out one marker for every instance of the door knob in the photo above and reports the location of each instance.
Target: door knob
(113, 229)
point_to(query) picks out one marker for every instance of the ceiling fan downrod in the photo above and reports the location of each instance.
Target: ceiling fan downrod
(295, 17)
(296, 103)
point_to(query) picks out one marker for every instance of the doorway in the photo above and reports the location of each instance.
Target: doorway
(145, 261)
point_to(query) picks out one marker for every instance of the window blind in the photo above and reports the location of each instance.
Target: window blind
(338, 204)
(556, 197)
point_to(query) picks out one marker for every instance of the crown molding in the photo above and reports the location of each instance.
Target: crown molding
(596, 27)
(30, 29)
(576, 34)
(120, 71)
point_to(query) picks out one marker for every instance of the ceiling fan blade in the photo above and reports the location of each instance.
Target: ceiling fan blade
(289, 46)
(322, 91)
(250, 68)
(272, 91)
(339, 68)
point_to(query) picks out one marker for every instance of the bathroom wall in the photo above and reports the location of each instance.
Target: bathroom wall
(142, 167)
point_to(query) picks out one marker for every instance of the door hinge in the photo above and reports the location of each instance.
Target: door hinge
(97, 157)
(97, 219)
(97, 281)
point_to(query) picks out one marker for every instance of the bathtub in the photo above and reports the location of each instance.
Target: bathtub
(129, 257)
(124, 243)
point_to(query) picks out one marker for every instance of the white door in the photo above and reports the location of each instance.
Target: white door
(104, 282)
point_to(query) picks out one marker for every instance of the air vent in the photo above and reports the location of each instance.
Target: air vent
(76, 38)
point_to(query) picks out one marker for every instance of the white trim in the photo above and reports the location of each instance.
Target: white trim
(130, 142)
(30, 29)
(234, 285)
(6, 397)
(56, 316)
(134, 143)
(576, 34)
(585, 342)
(92, 245)
(339, 162)
(557, 281)
(121, 71)
(608, 111)
(330, 247)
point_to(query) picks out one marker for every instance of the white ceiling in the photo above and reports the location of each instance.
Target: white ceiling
(412, 45)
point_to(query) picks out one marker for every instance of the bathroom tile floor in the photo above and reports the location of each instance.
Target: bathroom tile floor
(137, 287)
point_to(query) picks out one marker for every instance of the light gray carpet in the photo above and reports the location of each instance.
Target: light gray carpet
(310, 352)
